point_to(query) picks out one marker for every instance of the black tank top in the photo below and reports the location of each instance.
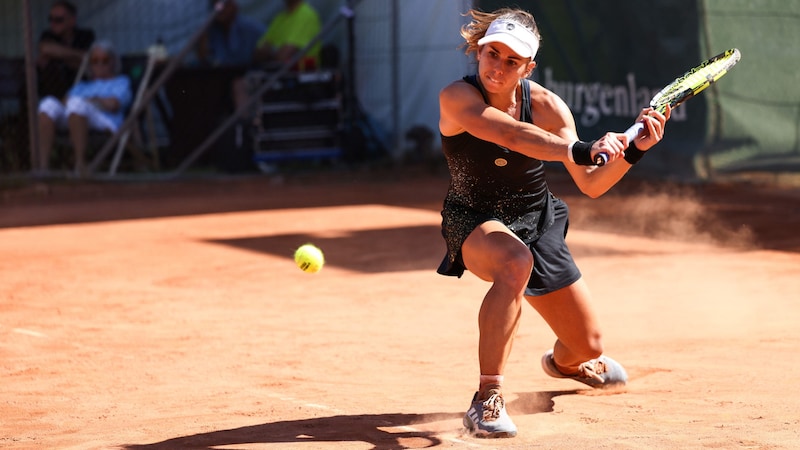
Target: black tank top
(493, 179)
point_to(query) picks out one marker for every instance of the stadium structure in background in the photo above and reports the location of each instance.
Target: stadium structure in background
(405, 51)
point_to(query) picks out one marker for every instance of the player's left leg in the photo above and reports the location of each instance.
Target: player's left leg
(569, 313)
(578, 351)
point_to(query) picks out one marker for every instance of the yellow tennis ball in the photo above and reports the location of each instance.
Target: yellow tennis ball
(309, 258)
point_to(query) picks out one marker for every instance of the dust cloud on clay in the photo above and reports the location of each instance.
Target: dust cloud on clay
(660, 212)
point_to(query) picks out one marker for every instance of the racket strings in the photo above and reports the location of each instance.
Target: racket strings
(695, 80)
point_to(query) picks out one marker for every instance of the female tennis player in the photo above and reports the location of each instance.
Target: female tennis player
(500, 220)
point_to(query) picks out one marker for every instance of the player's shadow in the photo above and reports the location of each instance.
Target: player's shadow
(383, 431)
(395, 249)
(535, 402)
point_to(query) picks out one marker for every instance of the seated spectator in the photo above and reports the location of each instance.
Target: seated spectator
(61, 50)
(290, 32)
(98, 103)
(231, 39)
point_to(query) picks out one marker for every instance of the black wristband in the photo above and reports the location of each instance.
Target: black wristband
(633, 154)
(582, 153)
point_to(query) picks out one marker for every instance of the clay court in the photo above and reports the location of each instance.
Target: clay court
(170, 315)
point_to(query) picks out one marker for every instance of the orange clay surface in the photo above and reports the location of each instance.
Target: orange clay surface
(170, 315)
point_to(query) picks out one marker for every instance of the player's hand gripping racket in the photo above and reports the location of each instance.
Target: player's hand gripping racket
(683, 88)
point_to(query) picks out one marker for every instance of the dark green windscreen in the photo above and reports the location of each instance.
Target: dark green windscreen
(607, 58)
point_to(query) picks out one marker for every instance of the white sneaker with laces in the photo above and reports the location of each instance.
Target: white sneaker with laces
(488, 418)
(600, 373)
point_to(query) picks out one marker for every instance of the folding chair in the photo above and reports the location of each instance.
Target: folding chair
(137, 100)
(140, 84)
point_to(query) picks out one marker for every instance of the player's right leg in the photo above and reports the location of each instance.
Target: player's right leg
(496, 255)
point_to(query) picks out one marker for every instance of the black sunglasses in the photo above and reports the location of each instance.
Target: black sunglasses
(56, 19)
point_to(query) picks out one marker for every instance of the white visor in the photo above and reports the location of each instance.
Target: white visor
(517, 37)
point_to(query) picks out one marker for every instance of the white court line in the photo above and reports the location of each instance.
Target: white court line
(29, 332)
(317, 406)
(297, 402)
(464, 443)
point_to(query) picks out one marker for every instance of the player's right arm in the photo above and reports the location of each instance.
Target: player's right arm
(462, 108)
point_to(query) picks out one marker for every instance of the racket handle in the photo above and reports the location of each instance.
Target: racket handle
(631, 133)
(601, 159)
(634, 130)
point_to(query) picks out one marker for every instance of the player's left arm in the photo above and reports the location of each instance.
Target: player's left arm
(552, 113)
(595, 181)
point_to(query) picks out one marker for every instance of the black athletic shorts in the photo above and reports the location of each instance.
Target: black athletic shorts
(553, 266)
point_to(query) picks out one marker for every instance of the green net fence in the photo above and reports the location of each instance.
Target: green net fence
(606, 58)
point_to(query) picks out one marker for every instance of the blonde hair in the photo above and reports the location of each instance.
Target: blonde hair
(476, 29)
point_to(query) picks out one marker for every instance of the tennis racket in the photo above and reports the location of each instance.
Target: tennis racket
(683, 88)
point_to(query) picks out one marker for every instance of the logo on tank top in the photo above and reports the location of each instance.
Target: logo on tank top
(500, 162)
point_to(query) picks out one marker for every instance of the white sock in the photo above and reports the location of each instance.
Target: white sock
(487, 380)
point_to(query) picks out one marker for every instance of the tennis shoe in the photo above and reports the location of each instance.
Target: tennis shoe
(600, 373)
(488, 418)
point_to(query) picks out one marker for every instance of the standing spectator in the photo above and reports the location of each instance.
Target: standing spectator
(290, 32)
(230, 44)
(61, 49)
(231, 39)
(98, 103)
